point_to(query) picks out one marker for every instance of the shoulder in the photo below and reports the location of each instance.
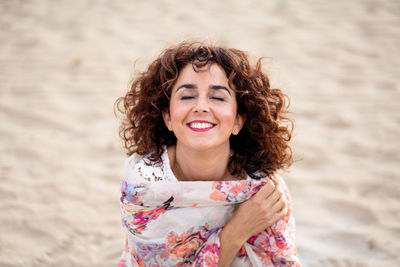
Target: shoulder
(287, 222)
(274, 176)
(280, 182)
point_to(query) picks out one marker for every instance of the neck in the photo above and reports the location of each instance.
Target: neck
(205, 165)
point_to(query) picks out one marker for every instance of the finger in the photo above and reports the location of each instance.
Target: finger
(274, 197)
(273, 178)
(277, 216)
(266, 190)
(273, 209)
(281, 214)
(278, 206)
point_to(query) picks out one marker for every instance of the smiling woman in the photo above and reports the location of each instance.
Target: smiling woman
(202, 112)
(205, 136)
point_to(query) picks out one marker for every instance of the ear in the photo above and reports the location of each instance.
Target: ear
(239, 122)
(167, 120)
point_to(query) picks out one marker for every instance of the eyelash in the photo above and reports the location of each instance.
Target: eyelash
(191, 97)
(186, 97)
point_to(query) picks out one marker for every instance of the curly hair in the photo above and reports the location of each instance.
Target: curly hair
(261, 147)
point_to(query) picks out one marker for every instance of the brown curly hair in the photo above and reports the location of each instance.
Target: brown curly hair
(261, 147)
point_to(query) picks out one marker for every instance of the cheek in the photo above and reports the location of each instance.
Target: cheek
(228, 116)
(177, 113)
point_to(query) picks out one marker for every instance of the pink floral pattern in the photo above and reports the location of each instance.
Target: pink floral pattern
(136, 222)
(208, 256)
(234, 191)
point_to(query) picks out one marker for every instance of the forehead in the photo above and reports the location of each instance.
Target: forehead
(212, 73)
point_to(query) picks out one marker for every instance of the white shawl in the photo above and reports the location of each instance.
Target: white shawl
(173, 223)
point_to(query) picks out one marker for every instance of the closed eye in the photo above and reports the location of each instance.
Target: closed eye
(186, 97)
(218, 98)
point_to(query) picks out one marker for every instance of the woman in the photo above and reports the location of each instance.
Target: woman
(205, 137)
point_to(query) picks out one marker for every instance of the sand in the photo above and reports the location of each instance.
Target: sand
(63, 64)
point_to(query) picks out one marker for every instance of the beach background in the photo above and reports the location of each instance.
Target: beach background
(64, 63)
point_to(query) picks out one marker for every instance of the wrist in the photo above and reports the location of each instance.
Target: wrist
(231, 237)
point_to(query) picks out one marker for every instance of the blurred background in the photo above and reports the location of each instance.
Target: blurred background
(64, 63)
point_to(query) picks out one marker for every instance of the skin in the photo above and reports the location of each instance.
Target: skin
(203, 114)
(202, 96)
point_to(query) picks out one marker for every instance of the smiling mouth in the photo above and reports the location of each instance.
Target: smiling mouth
(200, 126)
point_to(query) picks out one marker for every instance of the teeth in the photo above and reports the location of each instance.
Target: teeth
(200, 125)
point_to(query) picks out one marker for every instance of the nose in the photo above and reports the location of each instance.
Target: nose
(201, 105)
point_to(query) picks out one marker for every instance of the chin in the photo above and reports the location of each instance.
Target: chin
(203, 146)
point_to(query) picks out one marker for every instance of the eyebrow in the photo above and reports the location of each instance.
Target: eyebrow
(187, 85)
(213, 87)
(218, 87)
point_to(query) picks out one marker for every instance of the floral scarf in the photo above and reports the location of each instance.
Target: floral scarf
(173, 223)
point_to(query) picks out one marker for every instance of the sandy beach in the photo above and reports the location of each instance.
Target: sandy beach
(64, 63)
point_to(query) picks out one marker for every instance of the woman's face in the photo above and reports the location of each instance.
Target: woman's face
(203, 109)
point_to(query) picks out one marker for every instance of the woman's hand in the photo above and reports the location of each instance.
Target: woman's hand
(258, 213)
